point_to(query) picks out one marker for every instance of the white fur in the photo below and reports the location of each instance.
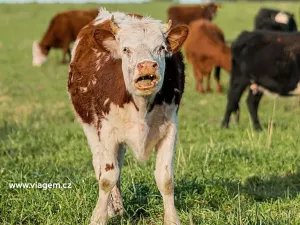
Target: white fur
(281, 17)
(142, 132)
(74, 48)
(38, 58)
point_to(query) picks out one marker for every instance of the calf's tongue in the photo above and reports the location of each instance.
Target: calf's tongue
(146, 82)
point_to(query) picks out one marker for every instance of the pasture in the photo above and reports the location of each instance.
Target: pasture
(235, 176)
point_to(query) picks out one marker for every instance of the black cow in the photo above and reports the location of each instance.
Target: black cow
(272, 19)
(264, 61)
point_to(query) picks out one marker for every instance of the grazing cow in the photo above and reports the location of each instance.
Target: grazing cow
(186, 14)
(62, 30)
(268, 62)
(205, 48)
(126, 79)
(272, 19)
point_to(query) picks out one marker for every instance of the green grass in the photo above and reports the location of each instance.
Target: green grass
(234, 176)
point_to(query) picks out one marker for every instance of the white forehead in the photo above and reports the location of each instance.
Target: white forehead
(134, 31)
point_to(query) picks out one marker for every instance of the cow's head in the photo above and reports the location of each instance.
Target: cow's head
(142, 45)
(38, 57)
(210, 10)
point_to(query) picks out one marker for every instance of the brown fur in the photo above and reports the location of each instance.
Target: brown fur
(205, 48)
(186, 14)
(64, 28)
(102, 84)
(109, 167)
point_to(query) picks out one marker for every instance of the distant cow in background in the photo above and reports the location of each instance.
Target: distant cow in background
(205, 48)
(272, 19)
(62, 30)
(267, 62)
(182, 14)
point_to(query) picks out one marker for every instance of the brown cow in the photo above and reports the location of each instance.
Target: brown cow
(186, 14)
(126, 79)
(62, 30)
(205, 48)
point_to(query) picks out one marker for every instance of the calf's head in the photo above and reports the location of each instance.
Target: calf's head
(142, 45)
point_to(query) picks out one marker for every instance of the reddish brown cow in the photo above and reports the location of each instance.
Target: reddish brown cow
(185, 14)
(126, 79)
(62, 30)
(205, 48)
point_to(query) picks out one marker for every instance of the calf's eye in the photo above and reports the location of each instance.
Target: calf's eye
(126, 50)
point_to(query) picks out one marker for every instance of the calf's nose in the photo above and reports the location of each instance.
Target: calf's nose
(147, 67)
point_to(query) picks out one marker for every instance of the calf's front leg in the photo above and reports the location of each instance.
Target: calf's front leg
(106, 166)
(164, 174)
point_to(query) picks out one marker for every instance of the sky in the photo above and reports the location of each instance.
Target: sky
(75, 1)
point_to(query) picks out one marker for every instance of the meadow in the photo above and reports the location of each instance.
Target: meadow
(234, 176)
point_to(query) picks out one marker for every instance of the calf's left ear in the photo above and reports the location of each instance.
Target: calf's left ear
(177, 36)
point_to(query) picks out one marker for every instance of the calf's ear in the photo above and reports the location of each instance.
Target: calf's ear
(177, 36)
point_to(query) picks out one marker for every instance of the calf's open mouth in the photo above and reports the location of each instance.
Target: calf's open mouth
(146, 82)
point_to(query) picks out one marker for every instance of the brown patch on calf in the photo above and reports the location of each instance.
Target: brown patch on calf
(109, 167)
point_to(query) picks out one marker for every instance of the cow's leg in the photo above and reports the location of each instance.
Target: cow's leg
(252, 103)
(208, 87)
(217, 77)
(199, 80)
(236, 90)
(115, 205)
(66, 51)
(164, 174)
(106, 166)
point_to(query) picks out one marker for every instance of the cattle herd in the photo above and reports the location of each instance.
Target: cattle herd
(126, 80)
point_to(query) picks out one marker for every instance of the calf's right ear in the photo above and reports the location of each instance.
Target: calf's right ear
(106, 40)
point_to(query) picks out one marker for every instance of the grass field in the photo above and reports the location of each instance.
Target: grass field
(234, 176)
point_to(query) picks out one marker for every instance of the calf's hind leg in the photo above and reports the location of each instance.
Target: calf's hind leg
(252, 103)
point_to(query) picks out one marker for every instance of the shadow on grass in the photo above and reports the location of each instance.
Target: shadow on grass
(266, 189)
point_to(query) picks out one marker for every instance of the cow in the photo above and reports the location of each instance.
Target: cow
(205, 48)
(61, 32)
(272, 19)
(183, 14)
(266, 62)
(126, 79)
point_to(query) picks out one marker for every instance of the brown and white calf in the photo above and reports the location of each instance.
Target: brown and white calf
(126, 80)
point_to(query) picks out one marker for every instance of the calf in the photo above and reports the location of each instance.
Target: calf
(267, 62)
(185, 14)
(205, 48)
(272, 19)
(62, 30)
(126, 79)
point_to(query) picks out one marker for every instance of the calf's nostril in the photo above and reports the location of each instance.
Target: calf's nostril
(155, 65)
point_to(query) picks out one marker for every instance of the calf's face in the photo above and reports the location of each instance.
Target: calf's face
(143, 45)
